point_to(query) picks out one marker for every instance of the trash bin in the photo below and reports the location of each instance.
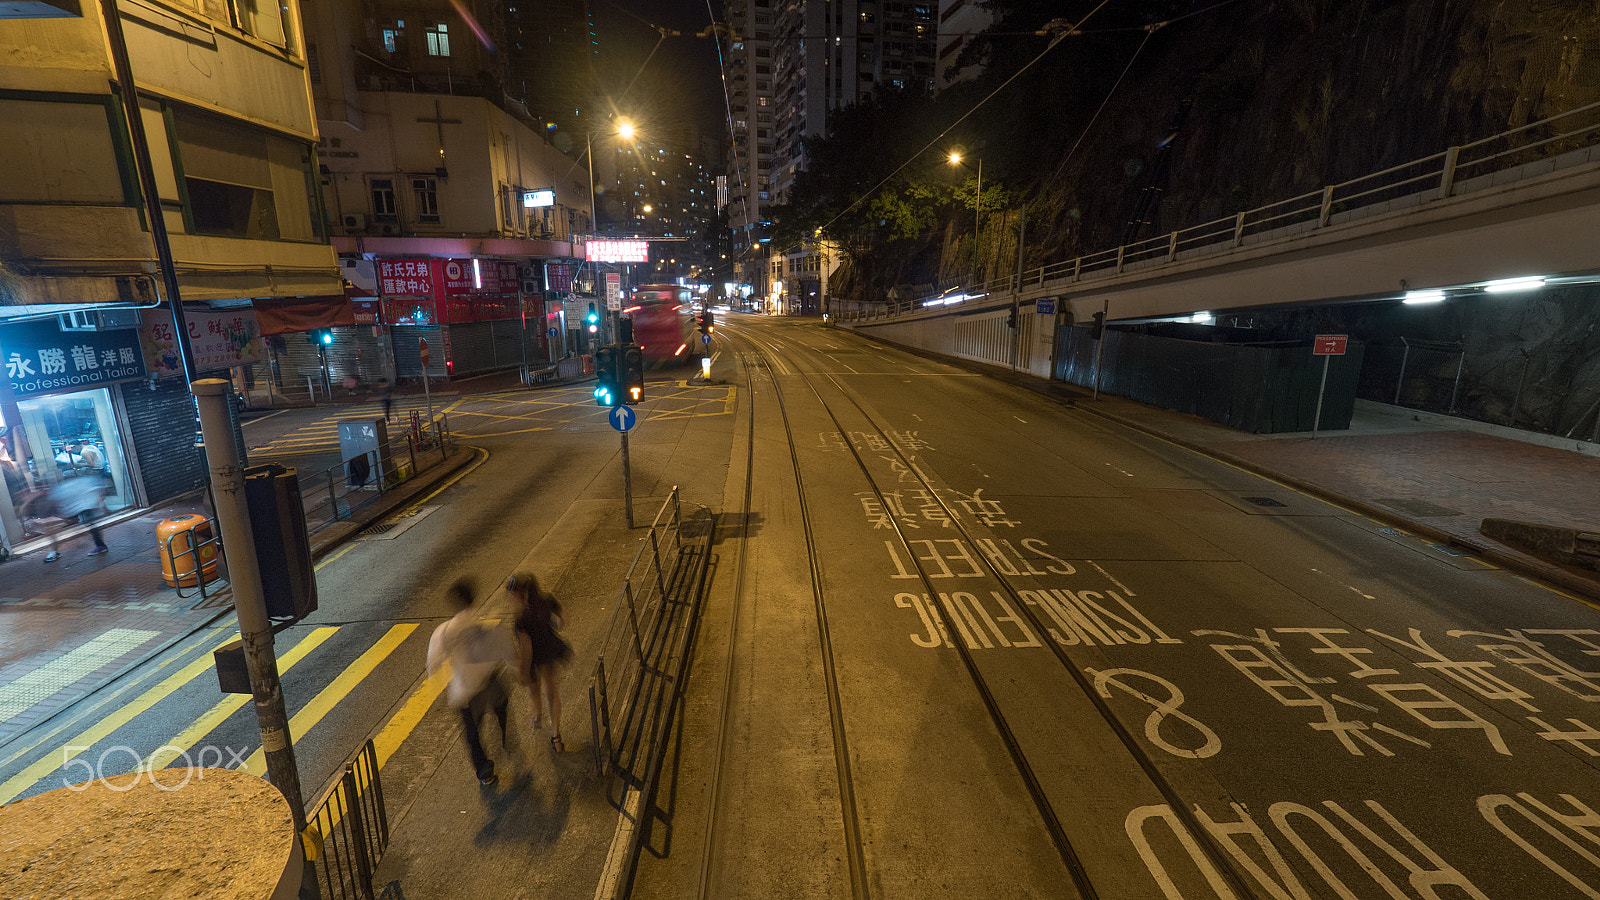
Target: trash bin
(187, 550)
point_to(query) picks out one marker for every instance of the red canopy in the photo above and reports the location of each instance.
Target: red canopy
(294, 314)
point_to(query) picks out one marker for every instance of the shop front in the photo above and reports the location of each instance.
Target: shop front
(64, 417)
(472, 312)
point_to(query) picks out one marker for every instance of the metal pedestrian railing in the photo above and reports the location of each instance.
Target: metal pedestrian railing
(638, 676)
(1561, 141)
(347, 830)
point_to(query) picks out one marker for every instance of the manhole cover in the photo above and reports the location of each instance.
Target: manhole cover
(1267, 502)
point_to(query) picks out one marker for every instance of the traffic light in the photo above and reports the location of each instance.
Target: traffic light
(320, 336)
(593, 318)
(1098, 329)
(606, 389)
(625, 330)
(632, 374)
(1011, 318)
(706, 324)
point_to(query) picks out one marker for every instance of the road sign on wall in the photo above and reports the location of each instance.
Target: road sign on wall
(1329, 345)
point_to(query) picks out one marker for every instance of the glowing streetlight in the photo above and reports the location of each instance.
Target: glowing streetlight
(625, 130)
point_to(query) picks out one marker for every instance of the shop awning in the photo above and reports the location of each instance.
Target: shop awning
(294, 314)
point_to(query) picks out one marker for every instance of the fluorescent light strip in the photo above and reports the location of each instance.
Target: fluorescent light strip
(1508, 285)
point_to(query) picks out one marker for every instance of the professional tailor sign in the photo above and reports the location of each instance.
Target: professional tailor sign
(617, 251)
(40, 358)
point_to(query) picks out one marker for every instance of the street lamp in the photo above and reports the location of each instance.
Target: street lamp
(977, 210)
(625, 129)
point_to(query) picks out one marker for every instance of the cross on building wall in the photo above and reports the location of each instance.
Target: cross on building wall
(439, 122)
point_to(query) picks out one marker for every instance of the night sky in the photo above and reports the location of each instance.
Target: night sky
(679, 92)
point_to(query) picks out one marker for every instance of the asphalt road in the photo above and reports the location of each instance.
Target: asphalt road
(1342, 709)
(1300, 700)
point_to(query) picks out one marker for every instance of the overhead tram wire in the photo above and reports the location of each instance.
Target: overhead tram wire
(722, 76)
(1149, 32)
(1058, 38)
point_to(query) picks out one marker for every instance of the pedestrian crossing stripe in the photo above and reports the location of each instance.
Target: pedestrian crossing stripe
(320, 705)
(54, 760)
(171, 750)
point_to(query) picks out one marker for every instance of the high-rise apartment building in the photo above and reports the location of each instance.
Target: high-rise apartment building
(552, 54)
(790, 64)
(959, 22)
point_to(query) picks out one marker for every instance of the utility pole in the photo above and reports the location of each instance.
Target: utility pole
(147, 182)
(244, 575)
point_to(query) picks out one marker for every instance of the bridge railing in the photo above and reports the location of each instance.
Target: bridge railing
(1531, 150)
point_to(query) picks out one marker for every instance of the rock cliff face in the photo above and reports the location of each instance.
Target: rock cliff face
(1264, 101)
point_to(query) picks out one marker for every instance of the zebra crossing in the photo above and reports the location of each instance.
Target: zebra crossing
(169, 714)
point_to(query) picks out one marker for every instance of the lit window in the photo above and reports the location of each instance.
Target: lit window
(438, 40)
(390, 35)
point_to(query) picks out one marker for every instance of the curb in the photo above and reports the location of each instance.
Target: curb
(1507, 559)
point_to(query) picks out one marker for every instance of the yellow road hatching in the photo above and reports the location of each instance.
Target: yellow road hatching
(323, 434)
(553, 410)
(501, 415)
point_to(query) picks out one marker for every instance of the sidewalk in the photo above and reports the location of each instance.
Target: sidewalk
(1432, 475)
(69, 627)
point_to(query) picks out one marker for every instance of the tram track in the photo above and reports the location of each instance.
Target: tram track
(838, 403)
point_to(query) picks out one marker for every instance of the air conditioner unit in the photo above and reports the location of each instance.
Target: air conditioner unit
(530, 287)
(355, 222)
(388, 229)
(118, 318)
(529, 272)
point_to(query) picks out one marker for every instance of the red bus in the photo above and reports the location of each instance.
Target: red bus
(663, 325)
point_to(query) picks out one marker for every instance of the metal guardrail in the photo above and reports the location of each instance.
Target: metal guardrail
(332, 495)
(633, 700)
(1543, 146)
(613, 689)
(347, 831)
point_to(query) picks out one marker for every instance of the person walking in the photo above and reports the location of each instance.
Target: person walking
(81, 498)
(538, 620)
(476, 652)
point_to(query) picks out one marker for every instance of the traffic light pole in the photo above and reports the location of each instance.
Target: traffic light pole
(627, 482)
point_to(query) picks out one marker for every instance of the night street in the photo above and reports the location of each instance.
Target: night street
(819, 448)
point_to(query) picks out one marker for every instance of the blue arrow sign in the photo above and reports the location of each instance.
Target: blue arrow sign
(705, 338)
(552, 332)
(622, 417)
